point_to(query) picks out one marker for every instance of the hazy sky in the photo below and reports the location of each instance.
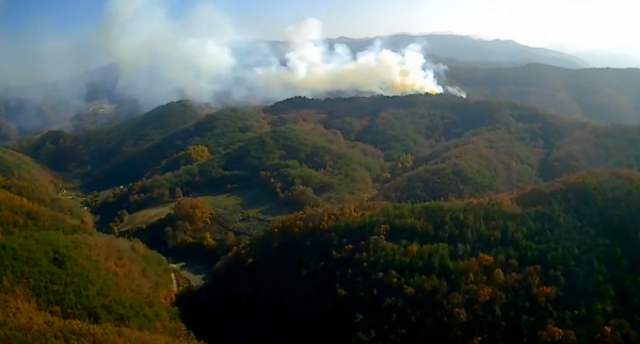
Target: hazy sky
(576, 24)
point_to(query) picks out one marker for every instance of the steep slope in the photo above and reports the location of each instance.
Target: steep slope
(558, 263)
(63, 282)
(30, 198)
(602, 95)
(58, 287)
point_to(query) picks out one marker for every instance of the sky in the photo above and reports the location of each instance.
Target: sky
(575, 25)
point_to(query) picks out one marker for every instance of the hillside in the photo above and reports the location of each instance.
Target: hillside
(304, 152)
(460, 148)
(85, 100)
(61, 289)
(62, 282)
(348, 220)
(93, 148)
(31, 198)
(602, 95)
(241, 167)
(552, 264)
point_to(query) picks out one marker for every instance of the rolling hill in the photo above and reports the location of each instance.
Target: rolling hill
(423, 218)
(602, 95)
(303, 152)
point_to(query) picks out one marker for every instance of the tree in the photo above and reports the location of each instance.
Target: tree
(208, 241)
(198, 153)
(193, 212)
(405, 161)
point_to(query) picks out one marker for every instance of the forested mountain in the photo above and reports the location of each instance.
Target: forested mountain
(305, 152)
(424, 218)
(491, 69)
(62, 282)
(552, 264)
(602, 95)
(30, 199)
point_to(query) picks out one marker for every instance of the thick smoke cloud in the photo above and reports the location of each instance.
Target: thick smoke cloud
(313, 68)
(199, 57)
(162, 59)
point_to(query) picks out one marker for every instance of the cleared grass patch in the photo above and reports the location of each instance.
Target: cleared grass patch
(226, 202)
(145, 217)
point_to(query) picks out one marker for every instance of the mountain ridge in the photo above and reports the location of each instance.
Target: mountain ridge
(326, 220)
(461, 47)
(603, 95)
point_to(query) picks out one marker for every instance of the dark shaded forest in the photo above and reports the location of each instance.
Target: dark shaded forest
(553, 264)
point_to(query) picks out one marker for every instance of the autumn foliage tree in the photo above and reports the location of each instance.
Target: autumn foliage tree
(198, 153)
(194, 213)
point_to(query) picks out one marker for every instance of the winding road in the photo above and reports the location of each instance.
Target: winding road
(64, 191)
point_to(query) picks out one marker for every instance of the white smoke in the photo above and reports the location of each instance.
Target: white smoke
(164, 59)
(312, 68)
(456, 91)
(201, 56)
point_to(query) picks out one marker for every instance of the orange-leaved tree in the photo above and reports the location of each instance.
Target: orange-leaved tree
(194, 213)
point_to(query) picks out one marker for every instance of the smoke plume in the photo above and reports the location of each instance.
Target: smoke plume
(201, 56)
(313, 68)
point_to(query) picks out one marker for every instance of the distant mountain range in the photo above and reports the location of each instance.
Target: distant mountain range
(603, 95)
(604, 59)
(552, 80)
(464, 49)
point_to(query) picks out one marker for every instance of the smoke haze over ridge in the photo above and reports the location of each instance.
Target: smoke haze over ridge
(47, 78)
(202, 56)
(198, 56)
